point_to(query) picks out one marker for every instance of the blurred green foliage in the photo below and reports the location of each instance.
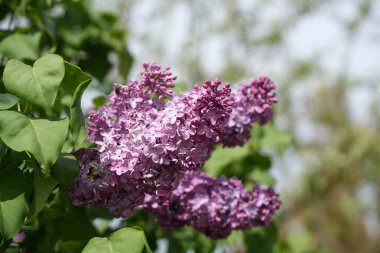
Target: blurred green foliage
(73, 29)
(324, 215)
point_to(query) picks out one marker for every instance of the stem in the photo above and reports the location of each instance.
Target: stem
(28, 154)
(26, 107)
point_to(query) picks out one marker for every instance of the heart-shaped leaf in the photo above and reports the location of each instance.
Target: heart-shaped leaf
(7, 101)
(13, 202)
(37, 85)
(42, 138)
(131, 240)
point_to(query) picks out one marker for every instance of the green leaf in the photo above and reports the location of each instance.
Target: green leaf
(222, 157)
(263, 177)
(7, 101)
(74, 225)
(13, 202)
(131, 240)
(65, 170)
(76, 82)
(65, 221)
(12, 250)
(43, 186)
(37, 85)
(300, 242)
(21, 46)
(126, 59)
(42, 138)
(261, 240)
(99, 101)
(3, 149)
(273, 137)
(74, 77)
(257, 161)
(69, 246)
(188, 238)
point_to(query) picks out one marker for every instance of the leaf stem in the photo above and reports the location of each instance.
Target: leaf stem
(28, 154)
(26, 107)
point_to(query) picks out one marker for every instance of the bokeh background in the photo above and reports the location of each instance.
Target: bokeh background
(322, 150)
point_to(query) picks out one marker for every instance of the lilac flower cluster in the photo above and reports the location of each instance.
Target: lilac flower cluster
(252, 103)
(146, 138)
(213, 206)
(143, 145)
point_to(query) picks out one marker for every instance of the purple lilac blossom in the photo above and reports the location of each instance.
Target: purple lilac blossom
(213, 206)
(144, 145)
(252, 103)
(146, 138)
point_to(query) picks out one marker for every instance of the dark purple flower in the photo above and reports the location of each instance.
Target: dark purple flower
(213, 206)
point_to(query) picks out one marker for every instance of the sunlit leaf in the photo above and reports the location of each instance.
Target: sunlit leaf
(42, 138)
(224, 156)
(37, 85)
(131, 240)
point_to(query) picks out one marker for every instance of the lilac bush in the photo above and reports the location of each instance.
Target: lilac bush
(213, 206)
(147, 139)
